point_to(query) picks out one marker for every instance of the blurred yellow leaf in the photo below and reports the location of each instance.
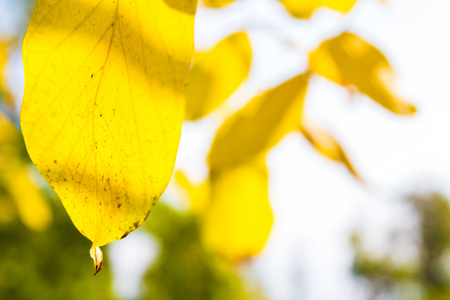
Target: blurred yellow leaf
(326, 144)
(8, 211)
(260, 125)
(349, 60)
(18, 190)
(3, 54)
(104, 104)
(11, 146)
(217, 74)
(217, 3)
(31, 204)
(303, 9)
(238, 221)
(5, 95)
(198, 194)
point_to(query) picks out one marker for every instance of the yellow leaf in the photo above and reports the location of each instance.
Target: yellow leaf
(3, 54)
(104, 103)
(5, 95)
(326, 144)
(198, 195)
(12, 151)
(8, 211)
(260, 125)
(238, 220)
(217, 3)
(349, 60)
(303, 9)
(217, 74)
(31, 204)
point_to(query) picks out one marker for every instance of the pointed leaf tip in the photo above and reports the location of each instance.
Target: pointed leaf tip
(97, 256)
(326, 144)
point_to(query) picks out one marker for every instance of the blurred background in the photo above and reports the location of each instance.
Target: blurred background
(353, 208)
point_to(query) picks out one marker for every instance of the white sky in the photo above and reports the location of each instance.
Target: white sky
(316, 202)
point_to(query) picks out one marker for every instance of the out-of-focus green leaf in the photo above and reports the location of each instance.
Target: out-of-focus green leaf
(184, 268)
(8, 211)
(349, 60)
(50, 264)
(12, 147)
(260, 125)
(239, 219)
(217, 74)
(326, 144)
(217, 3)
(303, 9)
(424, 276)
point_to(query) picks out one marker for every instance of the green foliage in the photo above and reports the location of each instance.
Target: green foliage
(48, 265)
(429, 275)
(184, 268)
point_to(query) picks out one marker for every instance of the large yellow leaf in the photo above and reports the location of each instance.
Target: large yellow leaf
(238, 221)
(260, 125)
(217, 74)
(104, 103)
(305, 8)
(349, 60)
(326, 144)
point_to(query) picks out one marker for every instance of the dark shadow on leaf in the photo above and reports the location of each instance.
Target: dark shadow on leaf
(128, 41)
(188, 7)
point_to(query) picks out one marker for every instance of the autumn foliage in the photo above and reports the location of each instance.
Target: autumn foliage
(107, 87)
